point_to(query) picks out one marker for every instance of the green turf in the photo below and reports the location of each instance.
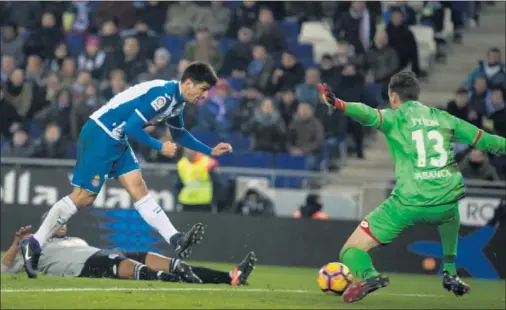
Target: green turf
(270, 287)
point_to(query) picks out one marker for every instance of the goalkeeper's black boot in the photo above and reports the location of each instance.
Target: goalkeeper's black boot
(239, 275)
(455, 284)
(358, 290)
(30, 251)
(184, 271)
(183, 242)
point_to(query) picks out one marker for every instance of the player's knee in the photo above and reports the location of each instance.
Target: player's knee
(82, 198)
(359, 239)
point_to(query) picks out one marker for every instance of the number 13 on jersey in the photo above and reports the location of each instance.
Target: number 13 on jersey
(421, 139)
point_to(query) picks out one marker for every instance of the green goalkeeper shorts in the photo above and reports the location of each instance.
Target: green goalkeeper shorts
(391, 218)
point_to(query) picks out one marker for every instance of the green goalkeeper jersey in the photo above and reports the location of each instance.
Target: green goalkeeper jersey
(420, 140)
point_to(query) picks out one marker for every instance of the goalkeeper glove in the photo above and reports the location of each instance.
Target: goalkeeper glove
(329, 98)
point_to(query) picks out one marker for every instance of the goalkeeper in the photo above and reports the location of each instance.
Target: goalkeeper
(428, 181)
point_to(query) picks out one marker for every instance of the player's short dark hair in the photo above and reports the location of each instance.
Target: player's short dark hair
(406, 85)
(200, 72)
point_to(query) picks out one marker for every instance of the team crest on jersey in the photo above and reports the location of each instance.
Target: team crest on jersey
(158, 103)
(96, 181)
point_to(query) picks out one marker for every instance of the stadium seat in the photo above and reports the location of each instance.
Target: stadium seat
(175, 45)
(304, 52)
(289, 162)
(320, 35)
(237, 84)
(424, 36)
(75, 44)
(253, 160)
(209, 138)
(34, 130)
(291, 30)
(239, 142)
(225, 44)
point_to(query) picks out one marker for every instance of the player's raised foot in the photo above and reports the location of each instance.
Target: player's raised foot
(30, 251)
(358, 290)
(185, 271)
(455, 285)
(183, 242)
(239, 275)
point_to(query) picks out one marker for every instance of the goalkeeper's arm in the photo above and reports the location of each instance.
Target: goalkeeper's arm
(483, 141)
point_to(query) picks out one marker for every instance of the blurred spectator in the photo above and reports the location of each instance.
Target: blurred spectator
(11, 42)
(58, 111)
(251, 98)
(496, 110)
(20, 145)
(181, 18)
(123, 12)
(255, 202)
(382, 60)
(268, 128)
(181, 67)
(8, 117)
(493, 70)
(154, 13)
(459, 107)
(268, 33)
(215, 115)
(328, 72)
(305, 134)
(117, 84)
(82, 109)
(479, 95)
(216, 18)
(204, 48)
(55, 63)
(109, 36)
(260, 68)
(51, 86)
(23, 95)
(287, 105)
(308, 91)
(8, 65)
(92, 59)
(160, 68)
(408, 14)
(147, 38)
(76, 17)
(53, 144)
(239, 55)
(289, 74)
(26, 13)
(476, 166)
(129, 60)
(401, 38)
(302, 11)
(34, 69)
(351, 88)
(246, 15)
(357, 26)
(80, 85)
(43, 40)
(68, 72)
(312, 209)
(345, 52)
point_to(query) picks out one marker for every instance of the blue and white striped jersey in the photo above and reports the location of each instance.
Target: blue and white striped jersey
(153, 101)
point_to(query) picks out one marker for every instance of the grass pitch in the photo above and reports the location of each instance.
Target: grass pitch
(270, 287)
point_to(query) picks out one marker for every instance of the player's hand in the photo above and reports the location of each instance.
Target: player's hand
(221, 149)
(22, 233)
(329, 98)
(169, 149)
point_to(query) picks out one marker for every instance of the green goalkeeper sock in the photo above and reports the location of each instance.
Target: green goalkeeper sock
(359, 262)
(449, 264)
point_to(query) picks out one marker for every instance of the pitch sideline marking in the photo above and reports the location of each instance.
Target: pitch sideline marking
(196, 289)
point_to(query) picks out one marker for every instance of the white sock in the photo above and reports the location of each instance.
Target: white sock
(154, 215)
(57, 216)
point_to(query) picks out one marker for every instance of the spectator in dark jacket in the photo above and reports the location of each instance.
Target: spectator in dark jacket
(82, 109)
(287, 105)
(58, 112)
(154, 13)
(130, 60)
(479, 95)
(357, 26)
(123, 12)
(215, 17)
(329, 73)
(147, 38)
(53, 144)
(93, 58)
(289, 74)
(11, 42)
(408, 14)
(305, 134)
(403, 41)
(476, 166)
(34, 69)
(246, 15)
(181, 18)
(268, 128)
(242, 120)
(117, 84)
(459, 107)
(239, 55)
(109, 36)
(260, 69)
(160, 68)
(204, 48)
(382, 60)
(268, 32)
(8, 117)
(55, 63)
(493, 70)
(23, 95)
(21, 145)
(43, 40)
(495, 108)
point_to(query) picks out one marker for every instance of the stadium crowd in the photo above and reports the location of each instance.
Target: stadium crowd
(63, 60)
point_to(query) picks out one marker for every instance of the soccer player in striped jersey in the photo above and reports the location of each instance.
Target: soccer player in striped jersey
(104, 153)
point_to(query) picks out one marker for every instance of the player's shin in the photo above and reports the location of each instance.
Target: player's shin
(57, 216)
(212, 276)
(359, 262)
(154, 215)
(449, 233)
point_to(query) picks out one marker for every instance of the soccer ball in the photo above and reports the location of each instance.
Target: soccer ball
(334, 278)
